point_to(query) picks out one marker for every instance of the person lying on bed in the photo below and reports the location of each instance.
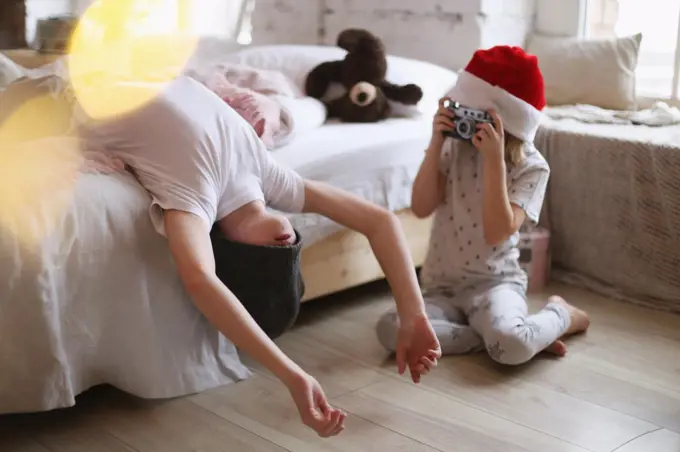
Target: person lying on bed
(204, 164)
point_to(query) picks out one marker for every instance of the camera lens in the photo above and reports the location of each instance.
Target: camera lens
(465, 128)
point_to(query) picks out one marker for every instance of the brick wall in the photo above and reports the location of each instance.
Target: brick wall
(445, 32)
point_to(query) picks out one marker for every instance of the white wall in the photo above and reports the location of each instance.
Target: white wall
(560, 17)
(444, 32)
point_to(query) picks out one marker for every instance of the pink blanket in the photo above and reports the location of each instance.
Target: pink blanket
(261, 112)
(252, 93)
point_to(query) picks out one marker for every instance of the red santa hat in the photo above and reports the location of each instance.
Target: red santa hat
(508, 80)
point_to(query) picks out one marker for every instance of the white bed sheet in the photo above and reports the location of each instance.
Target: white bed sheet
(100, 301)
(377, 162)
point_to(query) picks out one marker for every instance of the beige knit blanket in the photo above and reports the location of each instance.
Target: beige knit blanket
(613, 208)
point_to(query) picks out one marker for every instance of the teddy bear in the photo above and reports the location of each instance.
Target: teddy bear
(362, 74)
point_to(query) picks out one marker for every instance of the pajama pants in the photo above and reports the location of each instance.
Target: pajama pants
(495, 319)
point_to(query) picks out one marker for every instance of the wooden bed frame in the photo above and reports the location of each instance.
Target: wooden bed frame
(345, 259)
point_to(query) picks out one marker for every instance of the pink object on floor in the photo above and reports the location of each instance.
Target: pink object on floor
(534, 245)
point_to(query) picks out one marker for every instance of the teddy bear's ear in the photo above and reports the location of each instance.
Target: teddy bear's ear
(365, 60)
(319, 78)
(404, 94)
(352, 38)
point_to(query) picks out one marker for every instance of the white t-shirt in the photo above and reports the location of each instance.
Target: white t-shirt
(194, 153)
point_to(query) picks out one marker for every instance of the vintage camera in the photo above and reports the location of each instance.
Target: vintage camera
(466, 120)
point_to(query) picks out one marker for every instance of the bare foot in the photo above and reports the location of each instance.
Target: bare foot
(579, 318)
(557, 348)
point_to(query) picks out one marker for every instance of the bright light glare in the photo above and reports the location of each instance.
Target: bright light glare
(127, 40)
(37, 180)
(115, 41)
(37, 170)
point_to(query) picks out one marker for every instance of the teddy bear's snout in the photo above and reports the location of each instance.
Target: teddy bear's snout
(363, 94)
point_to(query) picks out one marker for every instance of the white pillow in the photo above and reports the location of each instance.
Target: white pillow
(9, 71)
(599, 72)
(296, 61)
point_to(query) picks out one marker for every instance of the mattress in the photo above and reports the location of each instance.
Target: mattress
(377, 162)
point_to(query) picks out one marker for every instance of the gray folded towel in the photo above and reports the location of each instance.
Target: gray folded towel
(267, 279)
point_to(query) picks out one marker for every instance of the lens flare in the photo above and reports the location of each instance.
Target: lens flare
(38, 170)
(115, 42)
(37, 181)
(37, 117)
(127, 41)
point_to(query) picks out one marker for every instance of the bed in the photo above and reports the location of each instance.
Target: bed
(378, 163)
(96, 298)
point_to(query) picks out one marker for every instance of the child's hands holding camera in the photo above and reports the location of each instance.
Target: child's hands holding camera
(442, 122)
(490, 139)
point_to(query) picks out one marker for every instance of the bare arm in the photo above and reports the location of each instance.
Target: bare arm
(429, 186)
(417, 344)
(383, 230)
(190, 245)
(501, 218)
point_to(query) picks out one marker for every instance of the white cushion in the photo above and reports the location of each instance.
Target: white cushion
(296, 61)
(9, 71)
(599, 72)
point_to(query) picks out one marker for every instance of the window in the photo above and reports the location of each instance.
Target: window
(658, 73)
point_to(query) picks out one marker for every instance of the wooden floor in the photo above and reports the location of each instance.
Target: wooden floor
(618, 390)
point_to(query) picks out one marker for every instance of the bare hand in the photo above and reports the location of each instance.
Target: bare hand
(490, 139)
(417, 347)
(443, 120)
(314, 409)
